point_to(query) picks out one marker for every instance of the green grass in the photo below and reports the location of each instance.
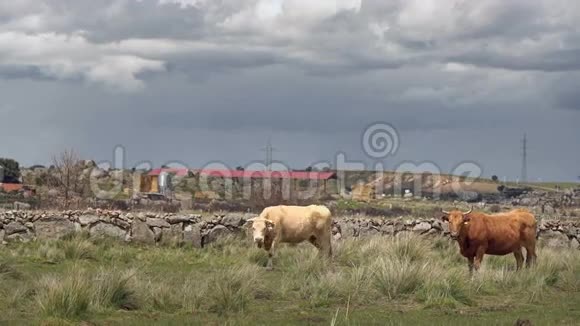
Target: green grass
(383, 281)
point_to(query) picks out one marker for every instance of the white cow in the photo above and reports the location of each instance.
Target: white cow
(293, 224)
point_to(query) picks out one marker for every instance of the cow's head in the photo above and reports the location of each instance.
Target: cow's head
(261, 229)
(457, 219)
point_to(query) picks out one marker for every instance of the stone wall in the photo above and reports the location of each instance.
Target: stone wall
(154, 228)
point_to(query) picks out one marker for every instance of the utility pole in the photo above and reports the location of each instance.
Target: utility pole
(268, 149)
(524, 174)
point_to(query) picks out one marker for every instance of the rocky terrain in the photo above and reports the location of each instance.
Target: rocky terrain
(155, 228)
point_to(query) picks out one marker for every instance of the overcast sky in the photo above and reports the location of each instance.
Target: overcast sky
(197, 81)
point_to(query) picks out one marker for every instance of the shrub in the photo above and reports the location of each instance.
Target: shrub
(445, 289)
(356, 285)
(164, 297)
(320, 289)
(114, 289)
(495, 209)
(407, 247)
(67, 296)
(78, 249)
(232, 289)
(193, 293)
(8, 271)
(395, 278)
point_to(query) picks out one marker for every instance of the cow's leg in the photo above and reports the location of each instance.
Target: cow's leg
(314, 241)
(470, 264)
(530, 255)
(519, 258)
(479, 257)
(325, 244)
(271, 253)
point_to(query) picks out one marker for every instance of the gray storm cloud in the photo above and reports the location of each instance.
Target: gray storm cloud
(199, 80)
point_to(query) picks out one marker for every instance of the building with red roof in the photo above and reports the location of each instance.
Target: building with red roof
(150, 182)
(11, 187)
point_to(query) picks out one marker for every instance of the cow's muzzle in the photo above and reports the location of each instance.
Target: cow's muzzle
(454, 236)
(259, 242)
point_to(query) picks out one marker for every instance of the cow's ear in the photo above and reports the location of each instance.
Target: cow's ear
(466, 218)
(444, 218)
(251, 220)
(269, 224)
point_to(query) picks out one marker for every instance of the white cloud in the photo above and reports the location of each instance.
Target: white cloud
(72, 56)
(183, 3)
(72, 39)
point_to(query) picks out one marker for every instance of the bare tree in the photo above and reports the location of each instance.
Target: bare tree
(67, 174)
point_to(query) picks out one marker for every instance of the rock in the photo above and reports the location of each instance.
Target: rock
(192, 235)
(469, 196)
(89, 163)
(232, 220)
(14, 227)
(523, 322)
(177, 219)
(399, 226)
(528, 201)
(347, 229)
(19, 237)
(85, 220)
(431, 233)
(55, 229)
(217, 232)
(368, 231)
(157, 222)
(29, 225)
(52, 193)
(142, 217)
(543, 225)
(117, 174)
(141, 233)
(98, 173)
(575, 243)
(388, 229)
(122, 223)
(335, 229)
(337, 236)
(107, 230)
(445, 227)
(173, 235)
(437, 224)
(157, 232)
(554, 239)
(2, 233)
(422, 227)
(21, 206)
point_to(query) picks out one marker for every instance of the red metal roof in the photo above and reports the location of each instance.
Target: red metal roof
(178, 172)
(302, 175)
(266, 174)
(9, 187)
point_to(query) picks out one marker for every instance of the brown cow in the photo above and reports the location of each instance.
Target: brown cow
(493, 234)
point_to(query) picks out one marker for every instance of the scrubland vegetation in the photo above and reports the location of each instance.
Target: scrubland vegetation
(402, 280)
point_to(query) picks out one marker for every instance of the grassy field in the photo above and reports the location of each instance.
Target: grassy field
(375, 281)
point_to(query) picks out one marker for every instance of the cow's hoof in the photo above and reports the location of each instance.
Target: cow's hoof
(269, 268)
